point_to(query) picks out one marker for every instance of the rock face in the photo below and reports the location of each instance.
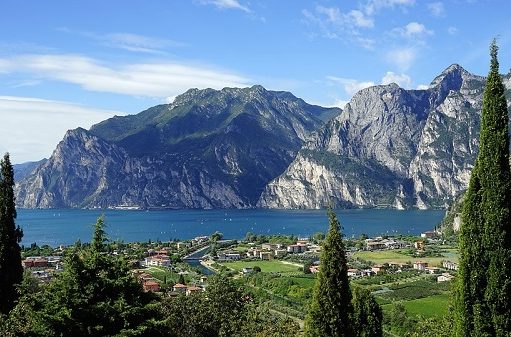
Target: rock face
(390, 147)
(208, 149)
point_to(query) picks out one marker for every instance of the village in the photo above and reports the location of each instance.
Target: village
(181, 267)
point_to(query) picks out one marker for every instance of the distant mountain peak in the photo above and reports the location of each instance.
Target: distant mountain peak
(453, 76)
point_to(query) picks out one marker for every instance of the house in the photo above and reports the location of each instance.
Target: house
(445, 277)
(419, 265)
(378, 269)
(179, 288)
(151, 286)
(233, 256)
(247, 270)
(375, 245)
(298, 248)
(394, 244)
(265, 255)
(253, 252)
(352, 272)
(157, 260)
(429, 235)
(229, 256)
(193, 290)
(203, 279)
(450, 265)
(35, 262)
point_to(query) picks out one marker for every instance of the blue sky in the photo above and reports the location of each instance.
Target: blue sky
(70, 63)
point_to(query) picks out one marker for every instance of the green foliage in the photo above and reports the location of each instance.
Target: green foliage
(367, 314)
(330, 311)
(96, 295)
(221, 311)
(11, 270)
(483, 297)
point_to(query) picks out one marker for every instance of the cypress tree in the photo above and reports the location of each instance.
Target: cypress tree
(330, 313)
(483, 300)
(11, 270)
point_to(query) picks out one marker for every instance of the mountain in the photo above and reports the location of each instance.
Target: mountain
(25, 169)
(390, 147)
(207, 149)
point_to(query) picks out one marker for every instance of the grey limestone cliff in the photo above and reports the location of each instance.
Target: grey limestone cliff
(390, 147)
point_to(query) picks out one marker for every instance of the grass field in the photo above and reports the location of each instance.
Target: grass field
(274, 266)
(386, 256)
(436, 305)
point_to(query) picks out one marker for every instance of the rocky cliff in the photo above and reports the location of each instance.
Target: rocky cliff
(390, 147)
(208, 149)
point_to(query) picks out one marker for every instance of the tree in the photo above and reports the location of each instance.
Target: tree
(483, 294)
(11, 270)
(368, 315)
(95, 295)
(330, 311)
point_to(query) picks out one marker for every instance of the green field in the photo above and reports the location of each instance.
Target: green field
(387, 256)
(436, 305)
(274, 266)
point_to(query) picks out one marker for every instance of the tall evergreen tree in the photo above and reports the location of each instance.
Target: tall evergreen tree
(330, 313)
(483, 300)
(11, 270)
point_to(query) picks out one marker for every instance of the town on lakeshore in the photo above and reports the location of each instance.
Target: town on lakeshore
(384, 263)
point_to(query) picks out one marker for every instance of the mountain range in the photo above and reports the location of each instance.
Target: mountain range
(251, 147)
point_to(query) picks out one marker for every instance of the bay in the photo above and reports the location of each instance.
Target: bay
(64, 226)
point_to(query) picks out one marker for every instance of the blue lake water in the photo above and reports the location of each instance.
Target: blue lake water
(65, 226)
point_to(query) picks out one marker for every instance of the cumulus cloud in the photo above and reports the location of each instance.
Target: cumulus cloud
(227, 4)
(403, 80)
(140, 79)
(350, 86)
(33, 141)
(422, 87)
(436, 9)
(413, 30)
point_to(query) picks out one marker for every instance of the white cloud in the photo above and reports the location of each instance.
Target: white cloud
(374, 6)
(413, 30)
(436, 9)
(145, 79)
(422, 87)
(227, 4)
(360, 20)
(127, 41)
(26, 122)
(350, 86)
(335, 24)
(403, 80)
(137, 43)
(452, 30)
(402, 58)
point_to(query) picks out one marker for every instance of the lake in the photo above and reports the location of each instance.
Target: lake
(64, 226)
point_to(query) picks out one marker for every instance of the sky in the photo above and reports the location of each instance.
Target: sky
(70, 63)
